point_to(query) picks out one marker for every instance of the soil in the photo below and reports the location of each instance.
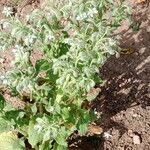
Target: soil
(124, 100)
(126, 93)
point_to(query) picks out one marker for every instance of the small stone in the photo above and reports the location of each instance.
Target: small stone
(130, 133)
(107, 135)
(129, 80)
(135, 115)
(136, 139)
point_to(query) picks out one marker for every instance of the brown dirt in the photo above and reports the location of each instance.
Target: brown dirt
(126, 94)
(7, 58)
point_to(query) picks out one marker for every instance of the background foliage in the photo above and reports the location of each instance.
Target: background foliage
(74, 37)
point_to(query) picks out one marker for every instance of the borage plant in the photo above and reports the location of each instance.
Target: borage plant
(47, 94)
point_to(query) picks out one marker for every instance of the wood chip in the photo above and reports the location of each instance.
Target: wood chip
(94, 129)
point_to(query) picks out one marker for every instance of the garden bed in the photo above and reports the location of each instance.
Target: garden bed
(124, 100)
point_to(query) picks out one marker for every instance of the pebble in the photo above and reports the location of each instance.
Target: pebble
(135, 115)
(107, 135)
(130, 133)
(136, 139)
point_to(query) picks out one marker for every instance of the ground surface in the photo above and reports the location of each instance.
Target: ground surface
(124, 101)
(125, 98)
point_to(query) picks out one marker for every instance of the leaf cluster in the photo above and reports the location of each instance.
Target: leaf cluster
(75, 40)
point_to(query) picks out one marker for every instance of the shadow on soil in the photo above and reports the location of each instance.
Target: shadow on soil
(127, 80)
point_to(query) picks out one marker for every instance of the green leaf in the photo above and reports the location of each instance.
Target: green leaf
(61, 140)
(59, 147)
(9, 141)
(65, 113)
(59, 97)
(83, 129)
(42, 65)
(47, 136)
(57, 108)
(2, 102)
(62, 136)
(34, 108)
(33, 136)
(46, 146)
(4, 125)
(16, 116)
